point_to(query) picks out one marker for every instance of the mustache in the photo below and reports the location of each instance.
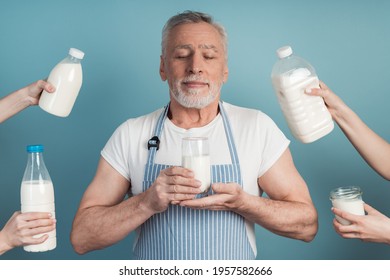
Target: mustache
(194, 78)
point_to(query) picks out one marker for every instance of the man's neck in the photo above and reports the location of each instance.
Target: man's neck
(189, 117)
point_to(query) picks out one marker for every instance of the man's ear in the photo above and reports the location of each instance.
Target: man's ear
(225, 74)
(162, 69)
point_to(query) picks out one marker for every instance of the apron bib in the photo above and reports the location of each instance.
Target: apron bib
(182, 233)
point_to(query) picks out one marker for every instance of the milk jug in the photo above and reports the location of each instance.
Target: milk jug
(67, 77)
(307, 116)
(37, 194)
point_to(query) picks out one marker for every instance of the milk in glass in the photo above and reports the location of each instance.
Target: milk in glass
(348, 199)
(196, 157)
(200, 165)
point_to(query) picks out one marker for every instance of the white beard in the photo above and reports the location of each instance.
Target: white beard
(191, 98)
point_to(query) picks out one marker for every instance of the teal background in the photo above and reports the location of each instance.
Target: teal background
(347, 42)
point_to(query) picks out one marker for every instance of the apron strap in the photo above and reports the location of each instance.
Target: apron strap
(157, 132)
(229, 134)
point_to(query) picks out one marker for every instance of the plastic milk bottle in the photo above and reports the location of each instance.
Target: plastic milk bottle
(307, 116)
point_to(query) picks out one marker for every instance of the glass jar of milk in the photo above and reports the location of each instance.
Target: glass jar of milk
(348, 199)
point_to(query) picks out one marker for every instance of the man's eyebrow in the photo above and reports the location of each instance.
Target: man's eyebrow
(189, 47)
(208, 47)
(202, 46)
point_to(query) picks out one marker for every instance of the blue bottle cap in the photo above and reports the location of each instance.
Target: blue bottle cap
(35, 148)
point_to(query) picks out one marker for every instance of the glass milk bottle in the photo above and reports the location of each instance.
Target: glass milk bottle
(348, 199)
(67, 77)
(37, 194)
(307, 116)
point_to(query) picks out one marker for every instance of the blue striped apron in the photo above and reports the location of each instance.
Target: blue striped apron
(182, 233)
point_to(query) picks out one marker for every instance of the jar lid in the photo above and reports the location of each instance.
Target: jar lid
(35, 148)
(284, 51)
(76, 53)
(350, 192)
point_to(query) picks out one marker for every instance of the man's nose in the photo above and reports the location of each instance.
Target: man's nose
(195, 65)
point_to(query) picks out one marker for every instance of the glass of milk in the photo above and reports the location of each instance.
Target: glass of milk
(348, 199)
(196, 156)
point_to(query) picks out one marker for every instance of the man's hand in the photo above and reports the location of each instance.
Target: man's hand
(227, 197)
(172, 186)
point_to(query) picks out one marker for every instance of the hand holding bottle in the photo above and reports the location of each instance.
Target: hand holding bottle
(18, 100)
(332, 101)
(34, 90)
(20, 229)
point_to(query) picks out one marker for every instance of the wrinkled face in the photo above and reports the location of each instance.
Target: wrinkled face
(194, 64)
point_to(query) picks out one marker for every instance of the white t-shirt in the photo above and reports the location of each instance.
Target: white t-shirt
(259, 144)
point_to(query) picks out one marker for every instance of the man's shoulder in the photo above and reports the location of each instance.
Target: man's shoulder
(140, 123)
(240, 112)
(150, 117)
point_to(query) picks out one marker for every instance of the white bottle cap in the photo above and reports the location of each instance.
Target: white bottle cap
(76, 53)
(284, 51)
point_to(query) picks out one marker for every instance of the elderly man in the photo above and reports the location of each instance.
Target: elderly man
(249, 156)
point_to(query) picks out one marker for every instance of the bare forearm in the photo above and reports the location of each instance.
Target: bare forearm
(291, 219)
(4, 247)
(374, 149)
(101, 226)
(13, 104)
(386, 231)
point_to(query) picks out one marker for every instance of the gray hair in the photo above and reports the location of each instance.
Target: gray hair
(191, 17)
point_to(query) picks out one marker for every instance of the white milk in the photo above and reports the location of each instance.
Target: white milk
(306, 116)
(38, 196)
(200, 165)
(67, 79)
(354, 206)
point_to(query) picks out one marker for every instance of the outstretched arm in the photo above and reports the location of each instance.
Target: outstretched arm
(374, 149)
(18, 100)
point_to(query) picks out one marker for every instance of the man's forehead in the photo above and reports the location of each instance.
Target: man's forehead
(195, 26)
(195, 36)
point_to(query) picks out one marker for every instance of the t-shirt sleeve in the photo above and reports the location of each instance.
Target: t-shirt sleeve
(274, 144)
(116, 150)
